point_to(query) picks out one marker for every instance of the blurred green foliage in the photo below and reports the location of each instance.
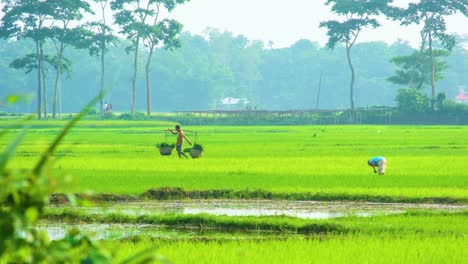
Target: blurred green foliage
(23, 197)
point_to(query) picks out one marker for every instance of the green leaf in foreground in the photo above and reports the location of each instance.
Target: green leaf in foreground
(24, 196)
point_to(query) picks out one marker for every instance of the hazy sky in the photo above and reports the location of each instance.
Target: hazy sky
(286, 21)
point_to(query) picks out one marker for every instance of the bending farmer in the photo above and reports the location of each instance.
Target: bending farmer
(180, 139)
(379, 162)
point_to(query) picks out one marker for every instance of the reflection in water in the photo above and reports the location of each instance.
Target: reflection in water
(300, 209)
(98, 231)
(117, 231)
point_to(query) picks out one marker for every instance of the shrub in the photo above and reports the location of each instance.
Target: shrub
(136, 116)
(92, 111)
(109, 116)
(412, 101)
(450, 106)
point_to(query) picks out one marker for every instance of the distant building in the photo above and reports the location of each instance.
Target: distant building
(232, 103)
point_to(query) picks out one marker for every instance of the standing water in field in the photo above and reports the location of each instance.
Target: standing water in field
(300, 209)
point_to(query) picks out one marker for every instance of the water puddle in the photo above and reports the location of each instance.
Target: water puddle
(100, 231)
(301, 209)
(97, 231)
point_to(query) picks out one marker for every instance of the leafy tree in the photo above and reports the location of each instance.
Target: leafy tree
(290, 76)
(412, 101)
(440, 100)
(202, 81)
(414, 69)
(139, 21)
(131, 16)
(450, 106)
(160, 33)
(28, 63)
(28, 19)
(63, 35)
(432, 13)
(358, 15)
(245, 59)
(231, 65)
(208, 67)
(102, 39)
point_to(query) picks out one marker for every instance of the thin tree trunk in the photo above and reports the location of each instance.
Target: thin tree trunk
(44, 90)
(433, 83)
(58, 83)
(148, 82)
(135, 70)
(102, 84)
(103, 51)
(351, 86)
(148, 63)
(318, 92)
(54, 103)
(39, 83)
(44, 95)
(60, 101)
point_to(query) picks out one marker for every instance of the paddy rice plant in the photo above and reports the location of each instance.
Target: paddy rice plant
(424, 222)
(351, 248)
(413, 237)
(119, 157)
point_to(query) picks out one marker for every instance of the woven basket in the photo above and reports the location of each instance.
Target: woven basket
(195, 153)
(165, 151)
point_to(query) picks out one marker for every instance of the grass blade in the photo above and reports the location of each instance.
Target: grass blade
(11, 149)
(46, 155)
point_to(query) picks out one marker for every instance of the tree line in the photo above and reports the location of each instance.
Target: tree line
(194, 72)
(61, 24)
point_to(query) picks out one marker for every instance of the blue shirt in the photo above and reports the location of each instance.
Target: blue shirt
(376, 160)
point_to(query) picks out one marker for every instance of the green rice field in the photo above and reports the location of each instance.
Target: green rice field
(118, 160)
(121, 157)
(410, 238)
(340, 249)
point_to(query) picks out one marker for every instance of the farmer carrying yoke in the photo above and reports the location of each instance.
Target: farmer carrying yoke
(180, 139)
